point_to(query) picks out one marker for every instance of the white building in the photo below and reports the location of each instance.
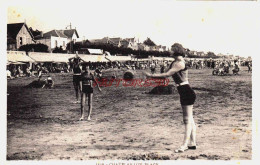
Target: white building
(53, 39)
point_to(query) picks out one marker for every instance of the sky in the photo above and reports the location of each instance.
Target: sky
(227, 28)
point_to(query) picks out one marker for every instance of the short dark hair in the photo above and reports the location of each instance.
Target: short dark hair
(178, 50)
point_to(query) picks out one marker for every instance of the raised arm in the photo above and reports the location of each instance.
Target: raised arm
(96, 82)
(70, 58)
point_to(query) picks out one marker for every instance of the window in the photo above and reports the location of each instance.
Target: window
(21, 41)
(63, 43)
(56, 43)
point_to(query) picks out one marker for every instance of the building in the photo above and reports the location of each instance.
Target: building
(159, 48)
(129, 43)
(115, 41)
(144, 47)
(133, 43)
(53, 39)
(18, 34)
(125, 44)
(71, 34)
(118, 42)
(163, 48)
(193, 53)
(201, 54)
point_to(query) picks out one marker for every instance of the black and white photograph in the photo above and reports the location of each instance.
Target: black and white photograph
(138, 82)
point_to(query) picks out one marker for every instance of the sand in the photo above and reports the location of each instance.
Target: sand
(128, 123)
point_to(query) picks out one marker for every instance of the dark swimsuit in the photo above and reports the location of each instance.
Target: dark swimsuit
(76, 71)
(86, 87)
(187, 94)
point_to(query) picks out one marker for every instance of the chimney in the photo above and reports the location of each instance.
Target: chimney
(41, 34)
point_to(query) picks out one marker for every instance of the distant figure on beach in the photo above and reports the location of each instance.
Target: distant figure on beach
(236, 69)
(152, 67)
(249, 66)
(179, 73)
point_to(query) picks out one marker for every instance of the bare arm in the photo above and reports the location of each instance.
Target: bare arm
(96, 83)
(177, 66)
(80, 85)
(81, 60)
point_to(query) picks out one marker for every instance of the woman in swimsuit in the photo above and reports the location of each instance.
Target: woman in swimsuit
(86, 88)
(179, 73)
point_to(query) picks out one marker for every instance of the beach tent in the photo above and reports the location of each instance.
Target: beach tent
(95, 51)
(50, 57)
(119, 58)
(18, 56)
(93, 58)
(143, 59)
(17, 63)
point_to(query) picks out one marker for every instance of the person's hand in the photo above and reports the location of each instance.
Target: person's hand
(147, 74)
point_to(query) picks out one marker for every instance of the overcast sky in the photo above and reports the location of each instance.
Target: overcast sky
(230, 27)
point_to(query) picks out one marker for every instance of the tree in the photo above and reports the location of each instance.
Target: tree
(35, 32)
(59, 50)
(34, 48)
(149, 42)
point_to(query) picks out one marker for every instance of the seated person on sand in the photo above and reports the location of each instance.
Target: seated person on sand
(226, 69)
(19, 72)
(9, 76)
(28, 72)
(49, 83)
(220, 70)
(39, 72)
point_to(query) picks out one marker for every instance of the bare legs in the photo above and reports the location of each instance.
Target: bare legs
(90, 95)
(83, 105)
(76, 87)
(190, 128)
